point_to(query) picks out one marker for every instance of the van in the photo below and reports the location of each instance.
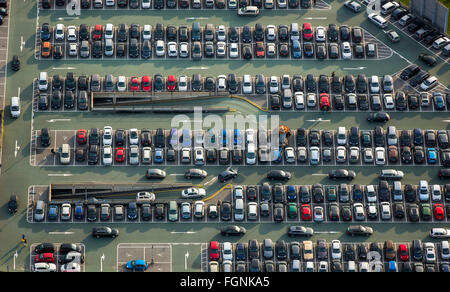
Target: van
(251, 154)
(196, 32)
(39, 212)
(15, 106)
(295, 32)
(43, 84)
(64, 154)
(252, 211)
(389, 7)
(239, 210)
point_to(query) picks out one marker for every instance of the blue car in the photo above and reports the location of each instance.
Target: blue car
(296, 49)
(277, 155)
(392, 266)
(439, 102)
(237, 137)
(240, 252)
(137, 265)
(224, 137)
(52, 212)
(291, 193)
(79, 211)
(186, 138)
(159, 155)
(431, 155)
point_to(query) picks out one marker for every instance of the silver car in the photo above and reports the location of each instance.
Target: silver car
(134, 155)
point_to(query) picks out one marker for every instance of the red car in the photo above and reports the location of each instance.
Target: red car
(120, 154)
(135, 84)
(81, 137)
(146, 83)
(306, 212)
(44, 258)
(171, 83)
(213, 250)
(403, 252)
(324, 102)
(97, 32)
(260, 52)
(439, 213)
(307, 31)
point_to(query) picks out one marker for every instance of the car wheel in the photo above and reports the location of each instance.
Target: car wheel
(98, 236)
(113, 236)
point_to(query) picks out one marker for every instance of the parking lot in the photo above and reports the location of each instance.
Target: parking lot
(58, 257)
(158, 255)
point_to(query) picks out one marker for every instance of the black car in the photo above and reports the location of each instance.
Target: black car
(45, 137)
(233, 230)
(134, 31)
(97, 51)
(233, 35)
(227, 175)
(56, 99)
(247, 52)
(341, 174)
(146, 212)
(68, 247)
(104, 232)
(380, 117)
(279, 175)
(12, 204)
(419, 78)
(275, 101)
(409, 72)
(44, 248)
(332, 33)
(310, 83)
(246, 34)
(80, 154)
(427, 59)
(283, 33)
(359, 230)
(344, 32)
(93, 154)
(444, 173)
(225, 211)
(15, 63)
(146, 137)
(278, 212)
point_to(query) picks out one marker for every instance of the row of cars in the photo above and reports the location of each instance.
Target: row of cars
(233, 42)
(183, 4)
(46, 256)
(343, 203)
(200, 147)
(282, 256)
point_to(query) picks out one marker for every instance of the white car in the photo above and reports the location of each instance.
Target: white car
(430, 252)
(274, 86)
(199, 155)
(314, 155)
(271, 50)
(59, 32)
(44, 267)
(371, 194)
(72, 33)
(388, 102)
(445, 250)
(147, 32)
(221, 33)
(107, 135)
(318, 214)
(133, 136)
(247, 87)
(73, 49)
(436, 193)
(66, 211)
(299, 100)
(323, 266)
(221, 83)
(160, 48)
(374, 84)
(289, 154)
(145, 196)
(271, 32)
(378, 20)
(227, 251)
(346, 51)
(336, 253)
(311, 99)
(250, 136)
(121, 83)
(386, 211)
(440, 233)
(440, 43)
(107, 155)
(282, 3)
(372, 211)
(353, 5)
(182, 83)
(146, 4)
(341, 136)
(429, 83)
(172, 49)
(71, 267)
(380, 156)
(193, 193)
(367, 155)
(233, 50)
(358, 209)
(146, 155)
(109, 31)
(184, 50)
(232, 4)
(134, 155)
(341, 154)
(321, 34)
(354, 154)
(221, 49)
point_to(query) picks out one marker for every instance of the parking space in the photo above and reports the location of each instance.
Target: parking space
(294, 256)
(67, 261)
(157, 255)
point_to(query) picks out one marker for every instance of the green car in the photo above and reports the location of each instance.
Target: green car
(426, 212)
(331, 194)
(292, 210)
(173, 211)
